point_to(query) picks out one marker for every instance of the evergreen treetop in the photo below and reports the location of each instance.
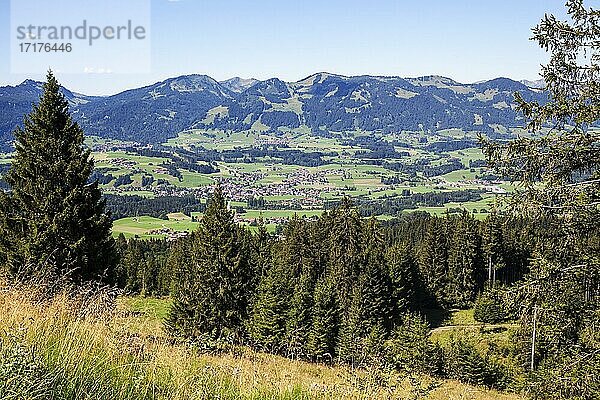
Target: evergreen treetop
(53, 219)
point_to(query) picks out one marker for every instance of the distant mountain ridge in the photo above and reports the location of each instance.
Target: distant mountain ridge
(321, 103)
(537, 84)
(238, 84)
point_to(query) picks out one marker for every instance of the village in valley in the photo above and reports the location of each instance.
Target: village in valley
(269, 191)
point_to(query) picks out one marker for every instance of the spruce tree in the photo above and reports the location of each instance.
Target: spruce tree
(325, 321)
(463, 262)
(345, 246)
(215, 282)
(350, 343)
(410, 348)
(182, 318)
(266, 325)
(53, 220)
(366, 321)
(404, 278)
(492, 247)
(374, 281)
(260, 252)
(433, 259)
(298, 323)
(557, 172)
(119, 274)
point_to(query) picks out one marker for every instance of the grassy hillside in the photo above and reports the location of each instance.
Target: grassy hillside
(84, 348)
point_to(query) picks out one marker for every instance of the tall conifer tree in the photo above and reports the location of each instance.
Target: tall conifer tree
(404, 278)
(266, 325)
(53, 219)
(325, 321)
(464, 260)
(492, 247)
(215, 283)
(433, 259)
(298, 322)
(345, 245)
(558, 177)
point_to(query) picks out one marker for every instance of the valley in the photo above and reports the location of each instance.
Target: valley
(378, 231)
(263, 181)
(274, 177)
(279, 148)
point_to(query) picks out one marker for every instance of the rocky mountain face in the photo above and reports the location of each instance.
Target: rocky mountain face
(537, 84)
(238, 84)
(322, 103)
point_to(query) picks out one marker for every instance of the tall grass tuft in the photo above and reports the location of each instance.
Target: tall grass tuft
(69, 347)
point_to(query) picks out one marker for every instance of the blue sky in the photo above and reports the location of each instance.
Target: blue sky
(467, 40)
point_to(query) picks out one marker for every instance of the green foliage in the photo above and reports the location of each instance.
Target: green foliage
(21, 374)
(433, 259)
(490, 308)
(267, 323)
(301, 259)
(404, 278)
(450, 259)
(409, 348)
(334, 290)
(63, 362)
(345, 248)
(374, 281)
(464, 260)
(292, 300)
(360, 342)
(142, 267)
(52, 221)
(562, 310)
(325, 323)
(559, 177)
(213, 283)
(298, 324)
(463, 361)
(365, 324)
(571, 375)
(493, 249)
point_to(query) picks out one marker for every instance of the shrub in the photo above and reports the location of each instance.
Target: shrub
(409, 347)
(462, 361)
(489, 308)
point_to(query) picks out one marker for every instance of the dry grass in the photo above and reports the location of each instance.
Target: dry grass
(81, 349)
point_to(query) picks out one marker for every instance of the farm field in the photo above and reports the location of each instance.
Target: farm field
(146, 227)
(149, 227)
(249, 167)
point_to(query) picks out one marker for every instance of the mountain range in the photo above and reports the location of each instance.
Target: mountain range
(321, 103)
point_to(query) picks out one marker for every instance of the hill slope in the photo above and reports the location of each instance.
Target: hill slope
(84, 348)
(321, 103)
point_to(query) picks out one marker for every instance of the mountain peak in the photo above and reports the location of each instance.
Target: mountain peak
(433, 80)
(194, 83)
(319, 102)
(191, 82)
(318, 77)
(238, 85)
(31, 83)
(536, 84)
(501, 83)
